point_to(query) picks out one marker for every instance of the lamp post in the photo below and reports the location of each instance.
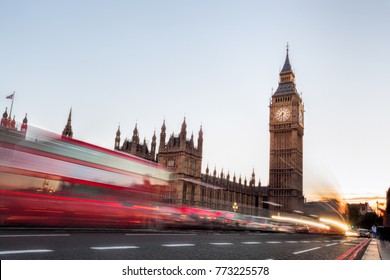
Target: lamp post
(235, 206)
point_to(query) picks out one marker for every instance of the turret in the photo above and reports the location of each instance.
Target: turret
(252, 182)
(24, 124)
(200, 140)
(68, 132)
(117, 138)
(192, 141)
(135, 141)
(153, 147)
(144, 147)
(183, 135)
(162, 136)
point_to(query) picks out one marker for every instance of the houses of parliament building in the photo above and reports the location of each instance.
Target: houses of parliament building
(183, 155)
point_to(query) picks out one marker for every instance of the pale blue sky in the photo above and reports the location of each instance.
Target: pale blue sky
(215, 63)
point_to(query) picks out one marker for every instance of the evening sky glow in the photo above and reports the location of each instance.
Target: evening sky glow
(214, 63)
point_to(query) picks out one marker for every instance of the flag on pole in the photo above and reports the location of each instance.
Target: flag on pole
(11, 96)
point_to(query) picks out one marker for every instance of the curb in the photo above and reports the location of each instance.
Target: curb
(372, 252)
(353, 253)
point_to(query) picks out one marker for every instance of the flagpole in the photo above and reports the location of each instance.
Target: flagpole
(12, 104)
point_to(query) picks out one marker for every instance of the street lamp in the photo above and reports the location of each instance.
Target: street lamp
(235, 206)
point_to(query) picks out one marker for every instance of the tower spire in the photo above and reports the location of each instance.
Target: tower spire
(286, 78)
(117, 138)
(68, 132)
(287, 65)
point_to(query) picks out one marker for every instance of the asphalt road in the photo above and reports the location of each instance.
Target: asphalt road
(170, 245)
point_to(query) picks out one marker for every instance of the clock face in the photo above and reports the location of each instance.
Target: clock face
(282, 114)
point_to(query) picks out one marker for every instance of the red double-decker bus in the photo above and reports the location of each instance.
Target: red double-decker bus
(50, 180)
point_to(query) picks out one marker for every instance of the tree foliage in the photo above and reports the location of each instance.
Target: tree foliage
(362, 221)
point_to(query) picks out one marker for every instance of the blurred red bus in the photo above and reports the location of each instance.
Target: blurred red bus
(48, 180)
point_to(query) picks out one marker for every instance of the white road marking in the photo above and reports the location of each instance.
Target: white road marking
(177, 245)
(331, 244)
(304, 251)
(291, 241)
(251, 242)
(221, 243)
(304, 241)
(273, 242)
(114, 247)
(25, 251)
(33, 235)
(152, 234)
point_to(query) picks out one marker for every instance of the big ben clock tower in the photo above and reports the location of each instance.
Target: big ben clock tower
(286, 127)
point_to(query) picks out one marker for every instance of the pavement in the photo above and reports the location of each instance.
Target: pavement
(377, 250)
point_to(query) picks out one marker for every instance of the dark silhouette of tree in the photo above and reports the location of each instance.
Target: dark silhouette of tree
(353, 214)
(368, 219)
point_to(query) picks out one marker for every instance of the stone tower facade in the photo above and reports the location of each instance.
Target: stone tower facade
(286, 126)
(181, 156)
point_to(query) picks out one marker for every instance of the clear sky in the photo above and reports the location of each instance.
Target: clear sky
(214, 63)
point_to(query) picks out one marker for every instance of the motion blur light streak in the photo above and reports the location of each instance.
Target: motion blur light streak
(335, 223)
(300, 221)
(351, 233)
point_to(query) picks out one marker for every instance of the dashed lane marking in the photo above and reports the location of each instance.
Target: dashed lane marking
(152, 234)
(304, 251)
(331, 244)
(33, 235)
(221, 243)
(291, 241)
(114, 247)
(25, 251)
(251, 242)
(177, 245)
(273, 242)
